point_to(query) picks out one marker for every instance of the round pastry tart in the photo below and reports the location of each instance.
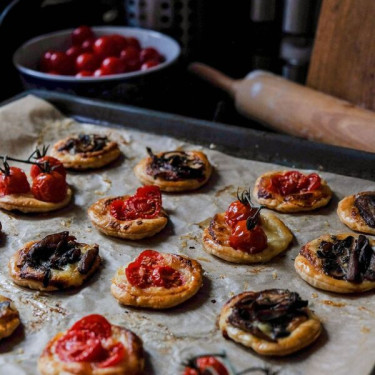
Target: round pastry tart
(56, 262)
(205, 364)
(244, 235)
(271, 322)
(93, 346)
(174, 171)
(157, 280)
(358, 212)
(130, 217)
(342, 263)
(86, 151)
(292, 191)
(48, 191)
(9, 317)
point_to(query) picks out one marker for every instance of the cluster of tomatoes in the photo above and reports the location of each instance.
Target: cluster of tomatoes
(91, 56)
(206, 365)
(48, 180)
(84, 343)
(293, 182)
(149, 269)
(251, 241)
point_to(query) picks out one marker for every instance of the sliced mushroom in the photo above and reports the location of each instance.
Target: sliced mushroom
(87, 260)
(365, 203)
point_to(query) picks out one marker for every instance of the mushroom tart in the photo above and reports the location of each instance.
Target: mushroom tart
(174, 171)
(291, 191)
(271, 322)
(86, 151)
(358, 212)
(56, 262)
(342, 263)
(157, 280)
(243, 234)
(93, 346)
(9, 317)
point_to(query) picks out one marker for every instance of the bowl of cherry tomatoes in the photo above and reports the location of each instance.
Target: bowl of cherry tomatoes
(95, 60)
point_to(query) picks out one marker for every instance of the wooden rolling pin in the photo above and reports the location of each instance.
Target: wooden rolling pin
(296, 109)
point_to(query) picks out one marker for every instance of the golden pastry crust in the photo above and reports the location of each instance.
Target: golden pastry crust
(303, 335)
(216, 240)
(9, 317)
(50, 364)
(309, 267)
(349, 215)
(159, 297)
(86, 160)
(32, 278)
(294, 202)
(28, 204)
(100, 216)
(140, 171)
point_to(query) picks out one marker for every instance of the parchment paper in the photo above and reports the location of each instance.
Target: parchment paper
(346, 346)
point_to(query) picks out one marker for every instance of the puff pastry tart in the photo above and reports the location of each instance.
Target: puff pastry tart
(86, 151)
(342, 263)
(93, 346)
(174, 171)
(48, 191)
(292, 191)
(244, 235)
(9, 317)
(56, 262)
(358, 212)
(130, 217)
(271, 322)
(157, 280)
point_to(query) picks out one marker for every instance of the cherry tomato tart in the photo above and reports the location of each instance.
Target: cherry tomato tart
(273, 322)
(243, 234)
(206, 363)
(292, 191)
(86, 151)
(157, 280)
(341, 263)
(56, 262)
(130, 217)
(9, 317)
(174, 171)
(93, 346)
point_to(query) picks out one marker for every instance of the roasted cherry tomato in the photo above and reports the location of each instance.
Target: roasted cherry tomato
(149, 64)
(149, 258)
(238, 211)
(251, 241)
(13, 181)
(49, 187)
(113, 65)
(166, 277)
(87, 61)
(61, 63)
(80, 34)
(148, 54)
(113, 356)
(139, 275)
(105, 47)
(56, 165)
(95, 323)
(204, 364)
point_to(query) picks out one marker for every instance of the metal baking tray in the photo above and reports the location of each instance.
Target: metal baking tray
(237, 141)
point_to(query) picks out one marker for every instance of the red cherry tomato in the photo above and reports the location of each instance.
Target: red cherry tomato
(250, 241)
(204, 363)
(57, 166)
(114, 355)
(149, 258)
(119, 41)
(133, 42)
(14, 182)
(88, 45)
(149, 64)
(49, 187)
(74, 52)
(113, 65)
(130, 56)
(95, 323)
(79, 346)
(61, 63)
(314, 182)
(148, 54)
(139, 275)
(87, 61)
(190, 371)
(100, 73)
(166, 277)
(45, 61)
(84, 73)
(237, 212)
(80, 34)
(105, 47)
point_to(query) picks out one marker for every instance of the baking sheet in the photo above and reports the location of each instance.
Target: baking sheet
(171, 336)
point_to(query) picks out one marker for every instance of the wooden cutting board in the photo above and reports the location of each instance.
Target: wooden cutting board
(343, 59)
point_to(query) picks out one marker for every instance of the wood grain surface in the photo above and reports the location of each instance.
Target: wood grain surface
(343, 59)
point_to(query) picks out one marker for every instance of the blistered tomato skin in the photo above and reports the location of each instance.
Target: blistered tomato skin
(14, 182)
(238, 211)
(49, 187)
(250, 241)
